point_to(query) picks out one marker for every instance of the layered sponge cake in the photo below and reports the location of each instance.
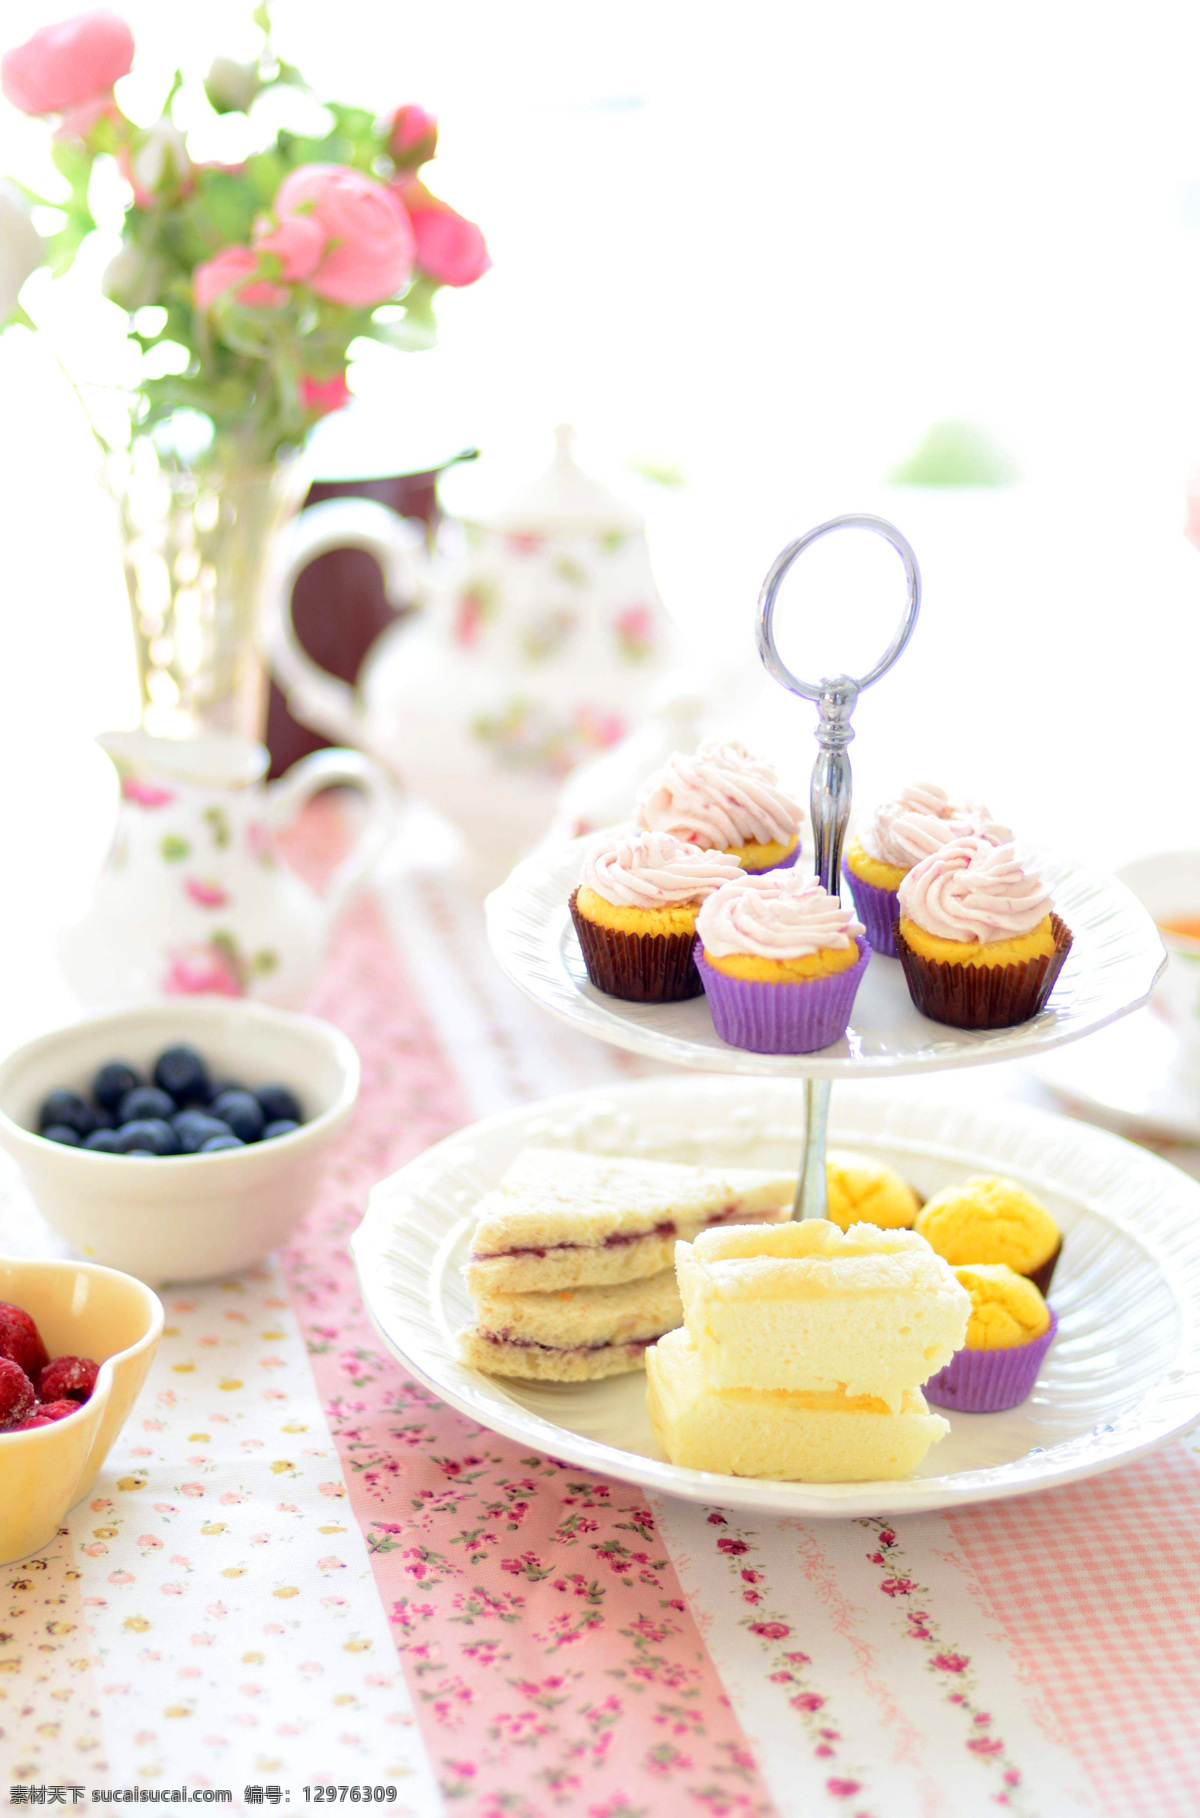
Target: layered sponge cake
(813, 1435)
(571, 1334)
(563, 1219)
(806, 1306)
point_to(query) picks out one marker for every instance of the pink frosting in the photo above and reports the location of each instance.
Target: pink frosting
(972, 890)
(720, 797)
(777, 915)
(920, 820)
(650, 870)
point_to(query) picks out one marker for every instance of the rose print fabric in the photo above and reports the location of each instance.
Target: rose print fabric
(298, 1565)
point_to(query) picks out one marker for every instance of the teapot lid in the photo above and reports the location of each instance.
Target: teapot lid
(563, 501)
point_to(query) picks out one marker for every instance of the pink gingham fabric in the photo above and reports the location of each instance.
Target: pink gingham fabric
(299, 1565)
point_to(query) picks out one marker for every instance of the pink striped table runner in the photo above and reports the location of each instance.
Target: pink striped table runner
(300, 1567)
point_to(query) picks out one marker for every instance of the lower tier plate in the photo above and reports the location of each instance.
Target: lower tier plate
(1122, 1377)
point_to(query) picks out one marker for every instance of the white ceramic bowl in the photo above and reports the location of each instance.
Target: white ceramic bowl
(181, 1217)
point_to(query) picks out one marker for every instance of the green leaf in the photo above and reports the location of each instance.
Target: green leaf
(356, 123)
(416, 330)
(222, 208)
(74, 162)
(263, 174)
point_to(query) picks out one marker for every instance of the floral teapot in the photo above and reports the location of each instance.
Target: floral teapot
(193, 897)
(536, 650)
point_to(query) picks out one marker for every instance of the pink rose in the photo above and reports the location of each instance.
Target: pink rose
(368, 242)
(297, 242)
(146, 795)
(449, 247)
(201, 972)
(206, 893)
(413, 137)
(229, 269)
(64, 65)
(324, 395)
(80, 122)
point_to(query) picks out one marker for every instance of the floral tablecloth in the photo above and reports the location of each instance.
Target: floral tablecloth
(299, 1569)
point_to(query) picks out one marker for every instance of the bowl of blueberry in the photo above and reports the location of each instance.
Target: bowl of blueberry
(76, 1343)
(177, 1140)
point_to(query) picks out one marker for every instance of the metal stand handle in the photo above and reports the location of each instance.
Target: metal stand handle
(832, 783)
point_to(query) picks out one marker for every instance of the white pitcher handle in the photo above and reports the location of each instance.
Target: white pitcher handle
(320, 700)
(321, 770)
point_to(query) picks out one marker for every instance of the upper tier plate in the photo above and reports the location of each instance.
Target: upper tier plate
(1115, 959)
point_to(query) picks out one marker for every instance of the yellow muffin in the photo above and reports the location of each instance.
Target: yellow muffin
(990, 1219)
(859, 862)
(862, 1191)
(671, 918)
(1006, 1308)
(787, 971)
(763, 855)
(1037, 944)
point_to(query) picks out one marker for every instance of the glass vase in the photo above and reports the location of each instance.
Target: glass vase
(197, 543)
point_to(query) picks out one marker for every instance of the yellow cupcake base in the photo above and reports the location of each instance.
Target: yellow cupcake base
(821, 964)
(763, 855)
(859, 863)
(672, 918)
(1039, 943)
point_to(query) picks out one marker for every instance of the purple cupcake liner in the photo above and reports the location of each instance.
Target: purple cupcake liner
(877, 911)
(792, 1018)
(986, 1382)
(783, 864)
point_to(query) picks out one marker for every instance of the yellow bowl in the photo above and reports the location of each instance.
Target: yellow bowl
(81, 1310)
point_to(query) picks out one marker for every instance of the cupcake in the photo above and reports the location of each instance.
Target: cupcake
(864, 1192)
(1008, 1334)
(724, 798)
(635, 914)
(899, 835)
(781, 961)
(980, 944)
(990, 1219)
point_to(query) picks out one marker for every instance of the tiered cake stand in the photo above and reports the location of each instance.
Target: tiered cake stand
(1124, 1373)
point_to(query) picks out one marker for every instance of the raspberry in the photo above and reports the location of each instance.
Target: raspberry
(17, 1399)
(68, 1379)
(46, 1414)
(21, 1341)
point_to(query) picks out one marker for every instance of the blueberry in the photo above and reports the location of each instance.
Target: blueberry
(113, 1081)
(182, 1073)
(63, 1107)
(216, 1143)
(242, 1113)
(152, 1133)
(283, 1126)
(106, 1141)
(136, 1152)
(105, 1120)
(221, 1086)
(62, 1133)
(197, 1129)
(145, 1101)
(278, 1103)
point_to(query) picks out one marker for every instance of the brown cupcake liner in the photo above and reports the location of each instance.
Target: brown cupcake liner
(642, 968)
(1042, 1276)
(983, 997)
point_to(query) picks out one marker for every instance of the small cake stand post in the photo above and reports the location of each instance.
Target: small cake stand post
(832, 785)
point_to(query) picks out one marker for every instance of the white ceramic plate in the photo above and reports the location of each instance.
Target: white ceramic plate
(1122, 1376)
(1139, 1078)
(1115, 959)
